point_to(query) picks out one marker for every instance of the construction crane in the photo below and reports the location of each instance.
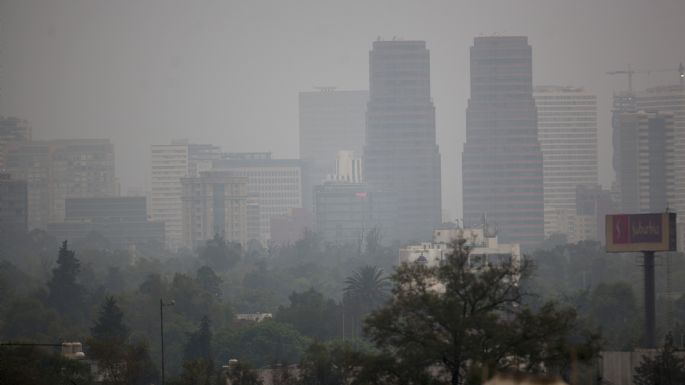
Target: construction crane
(630, 72)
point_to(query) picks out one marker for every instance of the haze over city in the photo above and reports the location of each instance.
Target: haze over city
(307, 192)
(229, 73)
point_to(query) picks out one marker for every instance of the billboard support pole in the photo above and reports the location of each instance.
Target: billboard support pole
(650, 307)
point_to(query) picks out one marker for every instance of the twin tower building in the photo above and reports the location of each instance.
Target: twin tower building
(502, 174)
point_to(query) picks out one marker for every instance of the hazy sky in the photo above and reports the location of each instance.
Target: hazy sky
(228, 72)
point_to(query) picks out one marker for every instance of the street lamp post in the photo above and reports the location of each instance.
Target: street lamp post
(161, 328)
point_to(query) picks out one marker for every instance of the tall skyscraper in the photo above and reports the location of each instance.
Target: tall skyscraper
(643, 160)
(401, 157)
(330, 121)
(671, 99)
(567, 132)
(502, 161)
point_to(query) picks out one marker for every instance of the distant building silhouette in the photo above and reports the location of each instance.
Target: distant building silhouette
(59, 169)
(643, 160)
(330, 121)
(401, 157)
(13, 205)
(170, 163)
(567, 132)
(11, 130)
(502, 162)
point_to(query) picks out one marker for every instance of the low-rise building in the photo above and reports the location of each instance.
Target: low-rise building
(121, 220)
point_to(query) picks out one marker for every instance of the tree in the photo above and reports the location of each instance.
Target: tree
(199, 345)
(365, 290)
(65, 294)
(614, 306)
(35, 366)
(209, 281)
(219, 254)
(240, 373)
(447, 323)
(311, 314)
(327, 364)
(664, 369)
(123, 364)
(110, 323)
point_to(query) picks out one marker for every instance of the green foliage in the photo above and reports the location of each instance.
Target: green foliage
(36, 366)
(219, 254)
(65, 294)
(454, 319)
(262, 344)
(209, 281)
(614, 309)
(311, 314)
(199, 346)
(110, 323)
(664, 369)
(328, 364)
(28, 319)
(240, 373)
(121, 363)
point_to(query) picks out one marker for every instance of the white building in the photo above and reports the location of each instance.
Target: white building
(567, 132)
(348, 168)
(169, 163)
(484, 248)
(276, 184)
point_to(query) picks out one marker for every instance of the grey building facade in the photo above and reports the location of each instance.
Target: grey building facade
(13, 205)
(502, 165)
(330, 121)
(121, 220)
(401, 158)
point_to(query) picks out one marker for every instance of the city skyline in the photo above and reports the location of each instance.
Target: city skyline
(181, 102)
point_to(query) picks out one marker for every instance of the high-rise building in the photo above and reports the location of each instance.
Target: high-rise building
(170, 163)
(60, 169)
(567, 132)
(671, 99)
(330, 120)
(401, 157)
(13, 205)
(276, 184)
(643, 160)
(502, 162)
(11, 130)
(215, 202)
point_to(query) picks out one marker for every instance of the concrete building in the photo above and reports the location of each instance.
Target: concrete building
(121, 220)
(215, 202)
(344, 212)
(644, 161)
(348, 168)
(13, 205)
(277, 184)
(330, 120)
(483, 242)
(11, 130)
(502, 165)
(567, 132)
(169, 163)
(289, 228)
(401, 157)
(671, 99)
(60, 169)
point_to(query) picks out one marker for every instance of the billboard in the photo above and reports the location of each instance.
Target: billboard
(641, 232)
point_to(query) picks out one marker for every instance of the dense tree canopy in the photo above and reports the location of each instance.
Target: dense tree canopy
(449, 322)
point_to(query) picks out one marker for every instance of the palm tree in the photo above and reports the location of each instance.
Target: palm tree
(364, 290)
